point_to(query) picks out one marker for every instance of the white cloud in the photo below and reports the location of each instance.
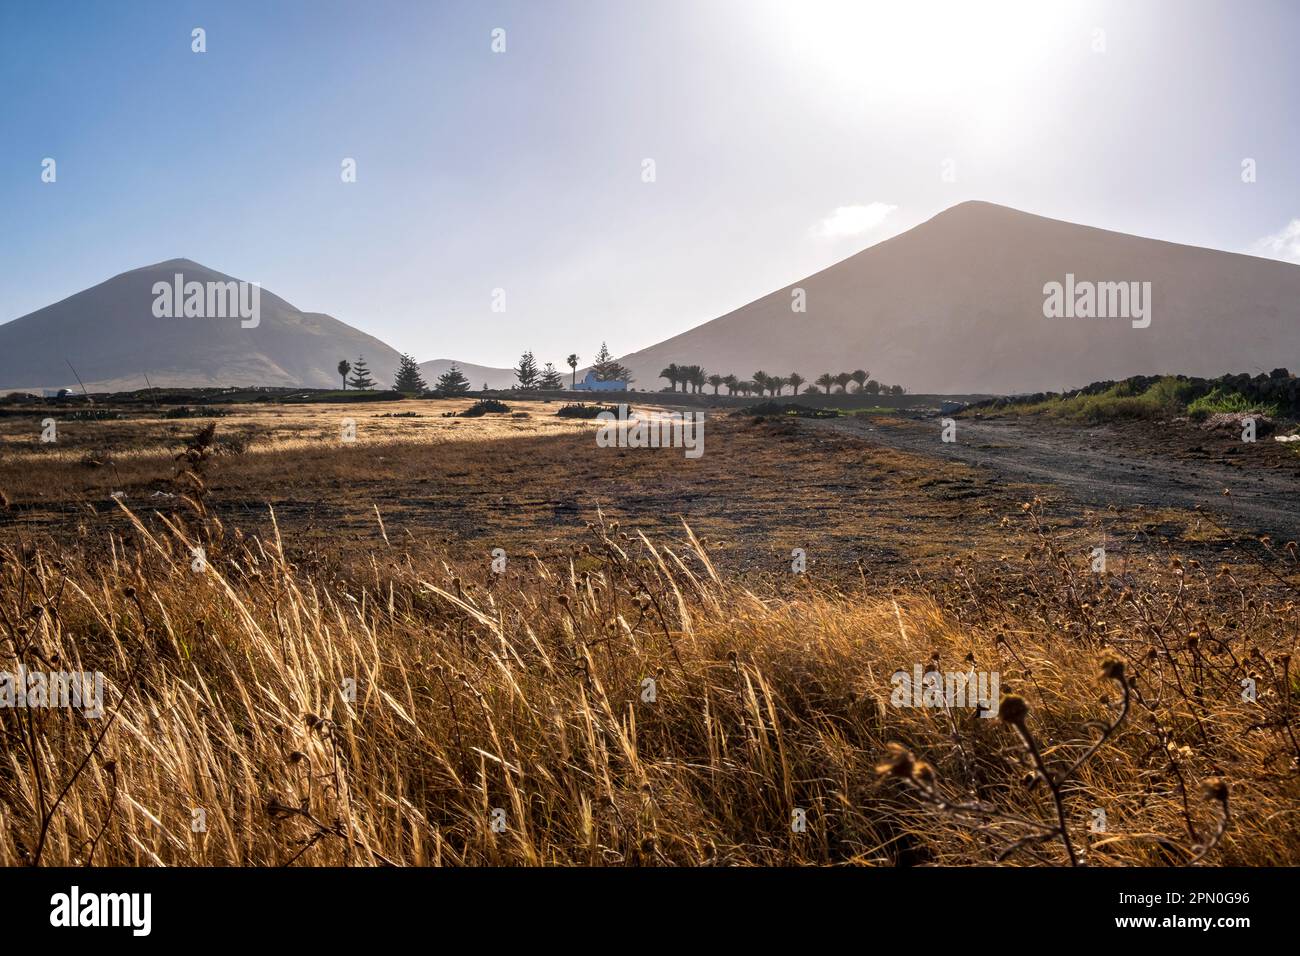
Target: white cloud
(853, 220)
(1284, 244)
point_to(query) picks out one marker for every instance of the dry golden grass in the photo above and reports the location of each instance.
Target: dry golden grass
(141, 441)
(519, 699)
(523, 484)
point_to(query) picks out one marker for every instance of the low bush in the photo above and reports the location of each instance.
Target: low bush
(485, 406)
(583, 410)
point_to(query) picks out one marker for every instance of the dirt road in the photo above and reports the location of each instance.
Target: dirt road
(1132, 463)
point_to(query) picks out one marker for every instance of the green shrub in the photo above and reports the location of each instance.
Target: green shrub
(1231, 402)
(1123, 400)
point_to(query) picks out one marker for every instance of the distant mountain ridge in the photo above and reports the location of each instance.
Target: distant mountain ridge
(955, 305)
(952, 306)
(111, 336)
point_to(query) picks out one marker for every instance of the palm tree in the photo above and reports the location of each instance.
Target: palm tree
(779, 382)
(731, 382)
(699, 378)
(860, 377)
(673, 373)
(760, 380)
(796, 380)
(716, 381)
(344, 367)
(573, 364)
(842, 380)
(826, 380)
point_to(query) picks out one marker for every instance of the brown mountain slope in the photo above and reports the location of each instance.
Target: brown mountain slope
(955, 305)
(111, 336)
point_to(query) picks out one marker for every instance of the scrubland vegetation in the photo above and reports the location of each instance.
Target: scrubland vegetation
(1165, 397)
(402, 708)
(623, 699)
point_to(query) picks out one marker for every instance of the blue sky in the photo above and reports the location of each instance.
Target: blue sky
(785, 136)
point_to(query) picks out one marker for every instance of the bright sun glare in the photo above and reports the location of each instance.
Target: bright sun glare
(974, 57)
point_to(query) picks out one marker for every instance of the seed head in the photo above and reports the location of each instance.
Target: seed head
(1013, 710)
(1215, 788)
(898, 762)
(1112, 668)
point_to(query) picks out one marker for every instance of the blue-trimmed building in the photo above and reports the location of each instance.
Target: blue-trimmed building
(591, 384)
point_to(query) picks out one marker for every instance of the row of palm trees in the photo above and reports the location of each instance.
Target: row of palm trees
(693, 378)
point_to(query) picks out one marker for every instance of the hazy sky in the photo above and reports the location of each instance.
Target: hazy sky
(785, 136)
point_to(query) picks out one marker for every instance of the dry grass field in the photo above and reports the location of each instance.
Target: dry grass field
(343, 678)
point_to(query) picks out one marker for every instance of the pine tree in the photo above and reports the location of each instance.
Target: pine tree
(550, 380)
(607, 370)
(526, 372)
(361, 375)
(409, 381)
(453, 382)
